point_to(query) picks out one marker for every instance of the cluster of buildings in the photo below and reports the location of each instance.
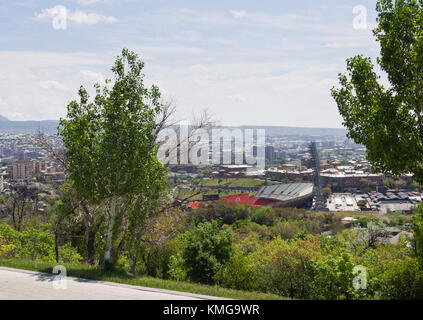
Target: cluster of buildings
(22, 161)
(339, 177)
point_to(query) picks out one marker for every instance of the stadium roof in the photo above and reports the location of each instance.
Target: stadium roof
(285, 191)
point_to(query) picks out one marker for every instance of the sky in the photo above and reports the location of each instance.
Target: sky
(247, 62)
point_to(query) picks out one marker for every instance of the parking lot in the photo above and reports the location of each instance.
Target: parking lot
(342, 202)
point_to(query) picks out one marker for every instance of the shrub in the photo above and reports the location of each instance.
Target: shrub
(332, 278)
(286, 229)
(205, 249)
(176, 267)
(157, 260)
(237, 274)
(34, 244)
(68, 254)
(281, 267)
(265, 216)
(6, 250)
(403, 282)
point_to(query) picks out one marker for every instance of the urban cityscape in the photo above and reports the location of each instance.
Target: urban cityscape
(227, 152)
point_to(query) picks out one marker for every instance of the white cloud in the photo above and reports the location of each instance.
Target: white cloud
(81, 17)
(91, 76)
(50, 13)
(77, 16)
(26, 76)
(238, 14)
(51, 84)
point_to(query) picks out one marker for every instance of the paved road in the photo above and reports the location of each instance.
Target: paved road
(18, 284)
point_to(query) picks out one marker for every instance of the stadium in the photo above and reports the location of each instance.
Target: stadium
(277, 195)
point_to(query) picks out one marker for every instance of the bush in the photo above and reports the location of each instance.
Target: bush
(332, 278)
(282, 267)
(237, 274)
(403, 282)
(286, 229)
(176, 268)
(157, 260)
(225, 211)
(204, 250)
(265, 216)
(6, 250)
(34, 244)
(68, 254)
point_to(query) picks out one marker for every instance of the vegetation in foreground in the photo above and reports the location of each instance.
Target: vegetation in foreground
(235, 251)
(120, 275)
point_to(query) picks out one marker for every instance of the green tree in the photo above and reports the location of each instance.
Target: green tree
(417, 227)
(403, 282)
(282, 267)
(237, 274)
(333, 278)
(111, 144)
(205, 250)
(388, 121)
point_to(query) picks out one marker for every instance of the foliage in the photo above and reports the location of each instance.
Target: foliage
(388, 121)
(403, 282)
(332, 278)
(33, 243)
(111, 147)
(417, 227)
(205, 249)
(237, 274)
(176, 267)
(281, 266)
(264, 215)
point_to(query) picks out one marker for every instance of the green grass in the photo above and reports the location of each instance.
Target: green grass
(233, 182)
(184, 193)
(121, 276)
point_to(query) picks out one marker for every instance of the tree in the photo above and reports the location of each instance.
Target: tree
(417, 227)
(362, 204)
(403, 282)
(22, 203)
(205, 250)
(369, 236)
(333, 278)
(111, 150)
(282, 267)
(388, 121)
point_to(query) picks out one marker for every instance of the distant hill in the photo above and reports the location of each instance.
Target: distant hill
(50, 126)
(299, 131)
(27, 127)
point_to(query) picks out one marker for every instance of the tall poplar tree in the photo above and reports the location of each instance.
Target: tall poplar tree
(111, 148)
(388, 120)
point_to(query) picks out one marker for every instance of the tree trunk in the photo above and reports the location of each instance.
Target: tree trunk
(108, 249)
(56, 245)
(91, 246)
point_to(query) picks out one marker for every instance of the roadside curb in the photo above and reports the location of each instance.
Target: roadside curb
(121, 285)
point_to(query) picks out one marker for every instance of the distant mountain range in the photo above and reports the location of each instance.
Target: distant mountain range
(47, 126)
(50, 126)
